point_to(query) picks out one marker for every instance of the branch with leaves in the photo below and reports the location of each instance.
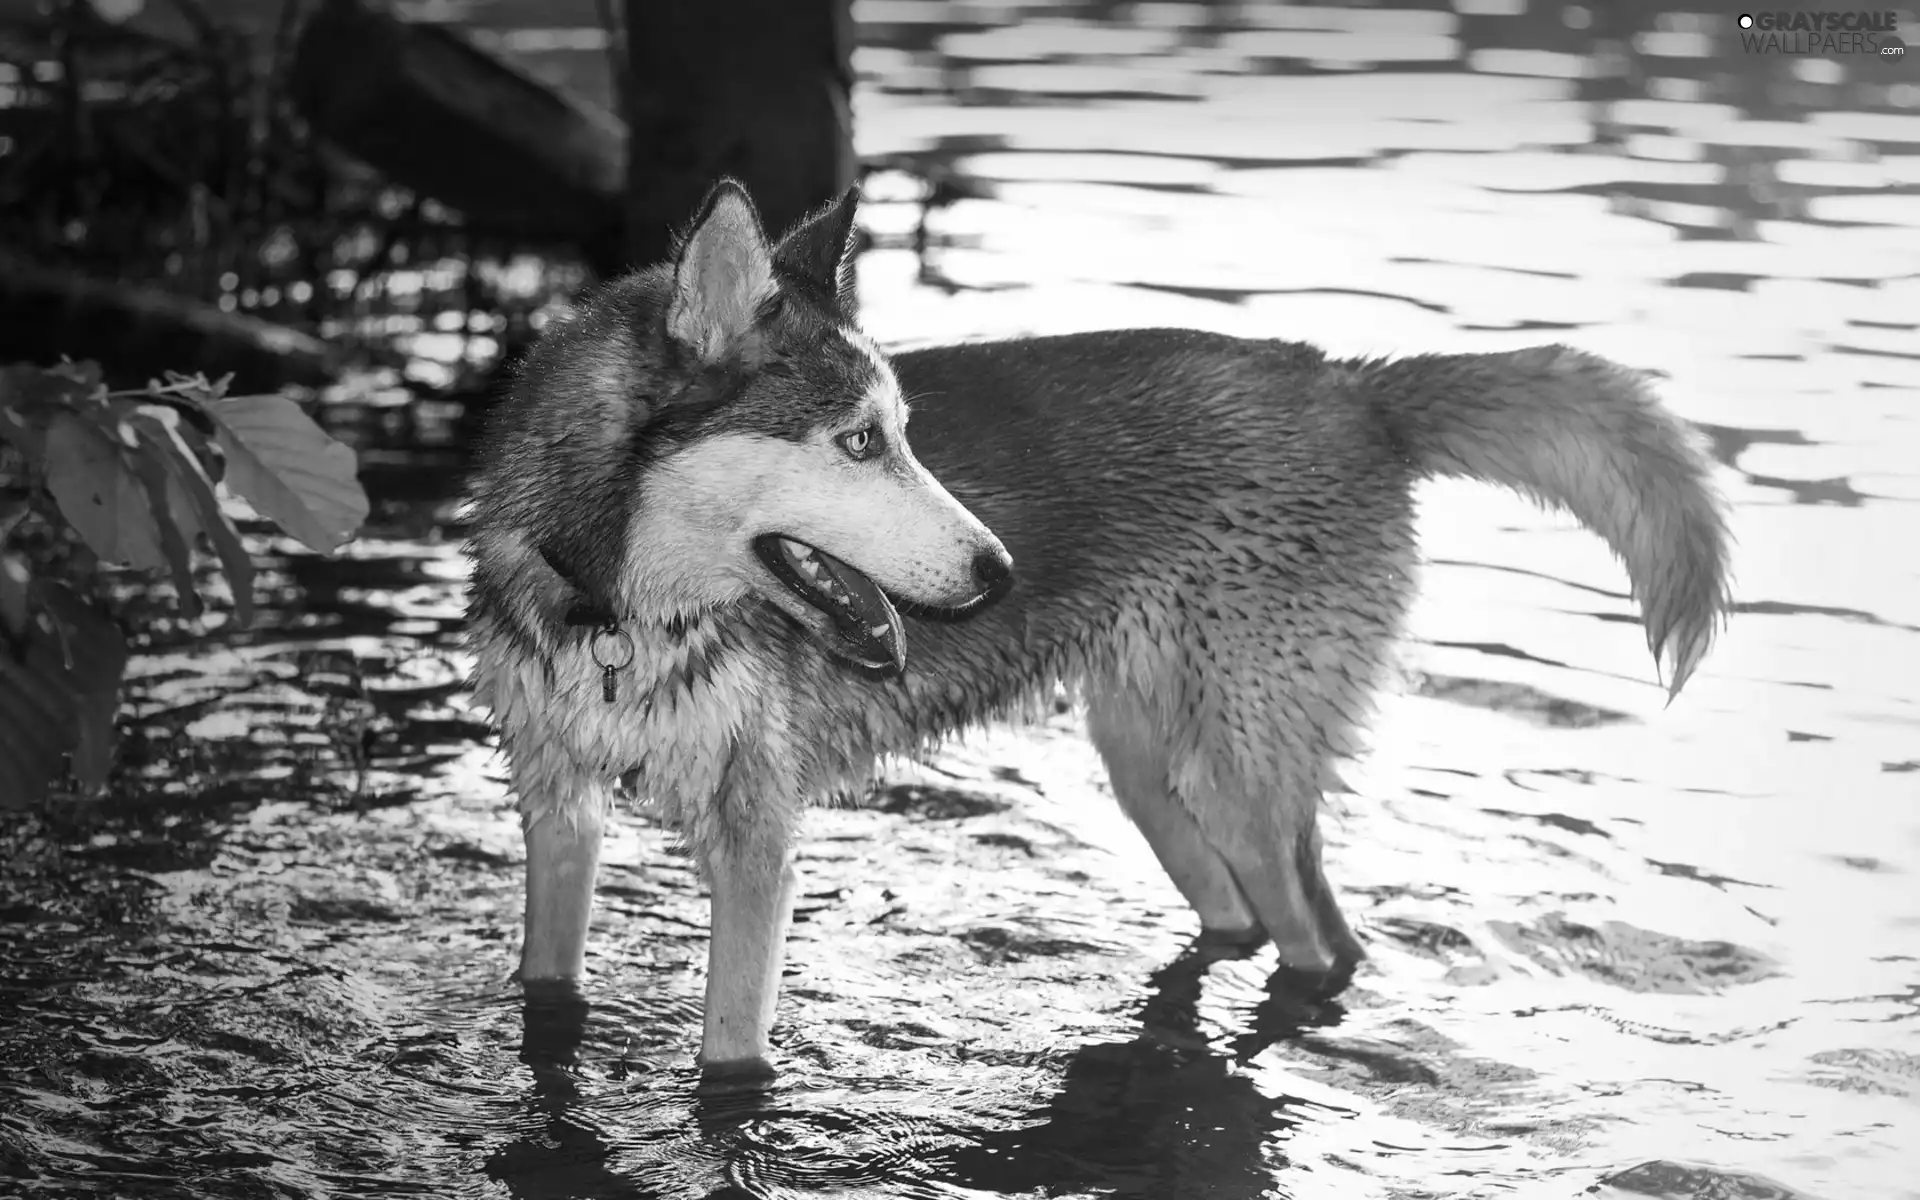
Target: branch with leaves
(138, 476)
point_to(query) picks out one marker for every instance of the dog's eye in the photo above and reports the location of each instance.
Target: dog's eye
(861, 443)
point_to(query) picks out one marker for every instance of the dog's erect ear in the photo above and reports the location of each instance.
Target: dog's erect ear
(820, 249)
(723, 274)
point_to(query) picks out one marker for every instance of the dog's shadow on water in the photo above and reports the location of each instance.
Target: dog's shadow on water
(1163, 1114)
(561, 1155)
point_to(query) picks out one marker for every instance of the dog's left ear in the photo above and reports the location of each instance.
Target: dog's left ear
(820, 250)
(722, 276)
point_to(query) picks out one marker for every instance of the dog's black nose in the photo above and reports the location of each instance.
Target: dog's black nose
(991, 569)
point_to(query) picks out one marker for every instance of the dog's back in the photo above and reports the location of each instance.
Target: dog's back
(1094, 450)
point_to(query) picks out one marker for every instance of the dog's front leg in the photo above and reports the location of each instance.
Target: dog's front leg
(563, 855)
(751, 875)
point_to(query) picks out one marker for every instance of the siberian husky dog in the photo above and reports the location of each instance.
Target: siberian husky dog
(729, 552)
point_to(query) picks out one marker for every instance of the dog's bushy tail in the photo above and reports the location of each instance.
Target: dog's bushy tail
(1579, 433)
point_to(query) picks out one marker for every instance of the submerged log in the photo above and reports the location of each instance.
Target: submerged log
(137, 333)
(437, 114)
(756, 89)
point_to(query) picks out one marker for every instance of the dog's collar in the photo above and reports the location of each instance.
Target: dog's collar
(611, 646)
(584, 611)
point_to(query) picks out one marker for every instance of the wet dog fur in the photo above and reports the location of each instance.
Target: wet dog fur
(704, 478)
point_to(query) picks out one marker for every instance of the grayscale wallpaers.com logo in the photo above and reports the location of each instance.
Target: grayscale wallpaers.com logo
(1822, 33)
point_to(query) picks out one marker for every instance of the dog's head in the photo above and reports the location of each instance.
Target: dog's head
(778, 462)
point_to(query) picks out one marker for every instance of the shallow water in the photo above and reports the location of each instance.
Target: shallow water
(1616, 949)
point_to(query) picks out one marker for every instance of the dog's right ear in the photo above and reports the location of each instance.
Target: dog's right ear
(722, 276)
(819, 250)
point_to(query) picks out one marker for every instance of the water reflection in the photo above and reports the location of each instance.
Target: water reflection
(559, 1154)
(1165, 1113)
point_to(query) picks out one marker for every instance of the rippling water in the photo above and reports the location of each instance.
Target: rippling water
(1616, 950)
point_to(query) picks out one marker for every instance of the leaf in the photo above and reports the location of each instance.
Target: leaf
(192, 502)
(197, 387)
(82, 378)
(14, 580)
(98, 493)
(18, 428)
(59, 700)
(28, 397)
(189, 422)
(187, 407)
(31, 396)
(94, 737)
(16, 381)
(68, 383)
(177, 524)
(287, 467)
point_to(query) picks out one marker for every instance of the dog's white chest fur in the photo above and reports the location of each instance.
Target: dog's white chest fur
(678, 715)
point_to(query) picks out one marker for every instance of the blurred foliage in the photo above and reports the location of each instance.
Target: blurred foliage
(134, 153)
(94, 480)
(167, 151)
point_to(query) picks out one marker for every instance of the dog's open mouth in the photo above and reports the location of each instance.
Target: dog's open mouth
(865, 622)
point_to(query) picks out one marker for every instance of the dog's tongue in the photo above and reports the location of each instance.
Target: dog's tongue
(868, 624)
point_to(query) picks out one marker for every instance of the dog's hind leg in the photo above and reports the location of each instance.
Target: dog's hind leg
(563, 855)
(1270, 837)
(1246, 856)
(1139, 768)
